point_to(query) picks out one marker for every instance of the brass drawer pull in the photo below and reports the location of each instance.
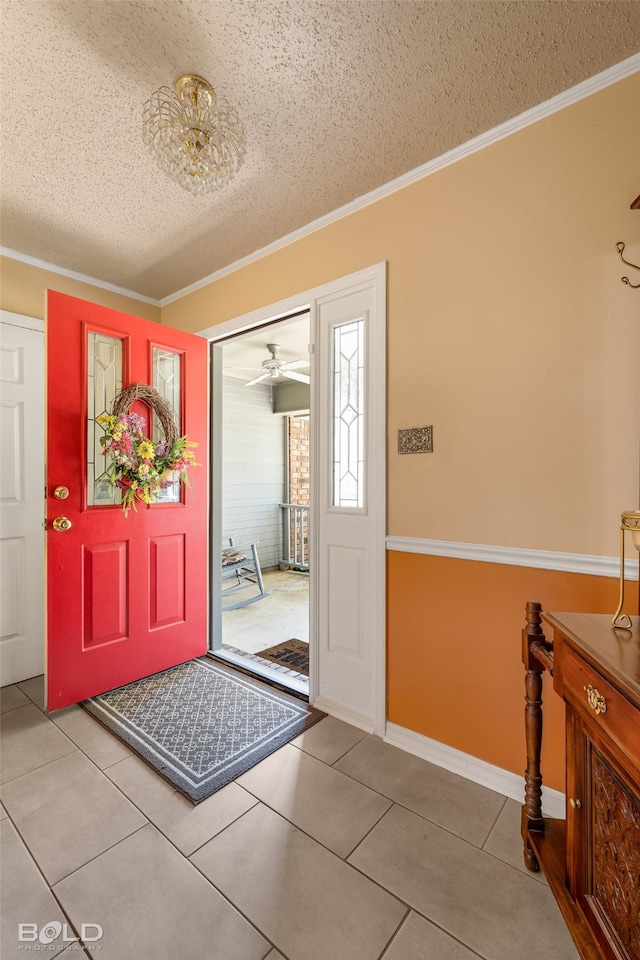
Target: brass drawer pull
(596, 701)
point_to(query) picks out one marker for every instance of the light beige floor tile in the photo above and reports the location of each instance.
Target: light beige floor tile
(12, 697)
(505, 839)
(90, 736)
(454, 803)
(153, 905)
(29, 740)
(34, 689)
(487, 905)
(188, 826)
(418, 939)
(26, 899)
(309, 903)
(68, 812)
(3, 812)
(274, 955)
(329, 806)
(329, 739)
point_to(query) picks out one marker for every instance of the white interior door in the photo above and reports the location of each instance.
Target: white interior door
(349, 506)
(21, 498)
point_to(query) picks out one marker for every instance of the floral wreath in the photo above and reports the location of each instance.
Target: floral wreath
(141, 468)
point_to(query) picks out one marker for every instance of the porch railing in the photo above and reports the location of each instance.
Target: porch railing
(295, 526)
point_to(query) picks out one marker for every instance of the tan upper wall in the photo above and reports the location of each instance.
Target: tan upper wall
(24, 286)
(508, 330)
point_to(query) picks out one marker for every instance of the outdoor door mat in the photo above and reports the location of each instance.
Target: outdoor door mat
(201, 724)
(294, 654)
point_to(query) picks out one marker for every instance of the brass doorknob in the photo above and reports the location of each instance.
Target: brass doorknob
(61, 524)
(575, 804)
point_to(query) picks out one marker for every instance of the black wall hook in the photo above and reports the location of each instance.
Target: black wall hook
(620, 248)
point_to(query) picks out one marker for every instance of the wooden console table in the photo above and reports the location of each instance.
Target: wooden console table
(592, 859)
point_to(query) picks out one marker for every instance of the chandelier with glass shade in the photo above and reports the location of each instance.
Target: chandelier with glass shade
(196, 137)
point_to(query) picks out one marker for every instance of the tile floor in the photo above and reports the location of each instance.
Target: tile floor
(336, 847)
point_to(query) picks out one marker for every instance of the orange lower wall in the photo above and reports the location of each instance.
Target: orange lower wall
(454, 665)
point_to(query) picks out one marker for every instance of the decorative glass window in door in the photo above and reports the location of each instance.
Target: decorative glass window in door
(104, 383)
(348, 414)
(166, 366)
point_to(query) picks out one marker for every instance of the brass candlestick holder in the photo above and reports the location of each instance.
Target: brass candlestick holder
(629, 521)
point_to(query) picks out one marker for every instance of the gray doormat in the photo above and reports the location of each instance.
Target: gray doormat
(201, 724)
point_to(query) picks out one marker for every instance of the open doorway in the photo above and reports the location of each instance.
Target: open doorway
(264, 505)
(347, 539)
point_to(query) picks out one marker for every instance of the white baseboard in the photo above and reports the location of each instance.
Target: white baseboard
(340, 712)
(494, 778)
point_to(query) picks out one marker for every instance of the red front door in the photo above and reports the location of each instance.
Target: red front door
(126, 595)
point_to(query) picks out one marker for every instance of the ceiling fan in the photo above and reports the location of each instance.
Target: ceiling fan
(275, 369)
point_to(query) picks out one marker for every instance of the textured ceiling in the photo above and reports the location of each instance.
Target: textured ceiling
(337, 96)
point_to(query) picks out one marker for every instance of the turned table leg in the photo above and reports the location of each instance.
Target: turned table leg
(534, 650)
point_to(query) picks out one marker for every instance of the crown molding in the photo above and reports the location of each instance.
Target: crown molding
(593, 566)
(73, 275)
(565, 99)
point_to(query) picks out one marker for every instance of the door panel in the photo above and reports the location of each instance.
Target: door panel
(347, 568)
(166, 580)
(105, 594)
(126, 594)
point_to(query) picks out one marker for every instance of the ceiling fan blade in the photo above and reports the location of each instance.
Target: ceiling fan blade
(301, 377)
(294, 364)
(263, 376)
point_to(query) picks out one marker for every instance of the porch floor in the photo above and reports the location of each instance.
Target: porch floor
(282, 615)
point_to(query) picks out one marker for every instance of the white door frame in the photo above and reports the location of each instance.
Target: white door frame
(280, 310)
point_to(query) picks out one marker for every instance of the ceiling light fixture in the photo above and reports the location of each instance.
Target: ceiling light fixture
(196, 138)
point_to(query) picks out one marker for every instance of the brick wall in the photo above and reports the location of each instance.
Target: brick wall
(299, 460)
(299, 480)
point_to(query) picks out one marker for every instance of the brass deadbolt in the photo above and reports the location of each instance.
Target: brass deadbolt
(62, 524)
(61, 493)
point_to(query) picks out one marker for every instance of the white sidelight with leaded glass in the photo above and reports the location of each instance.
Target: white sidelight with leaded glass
(349, 520)
(348, 413)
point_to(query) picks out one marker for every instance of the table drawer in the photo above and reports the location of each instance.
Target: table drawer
(604, 705)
